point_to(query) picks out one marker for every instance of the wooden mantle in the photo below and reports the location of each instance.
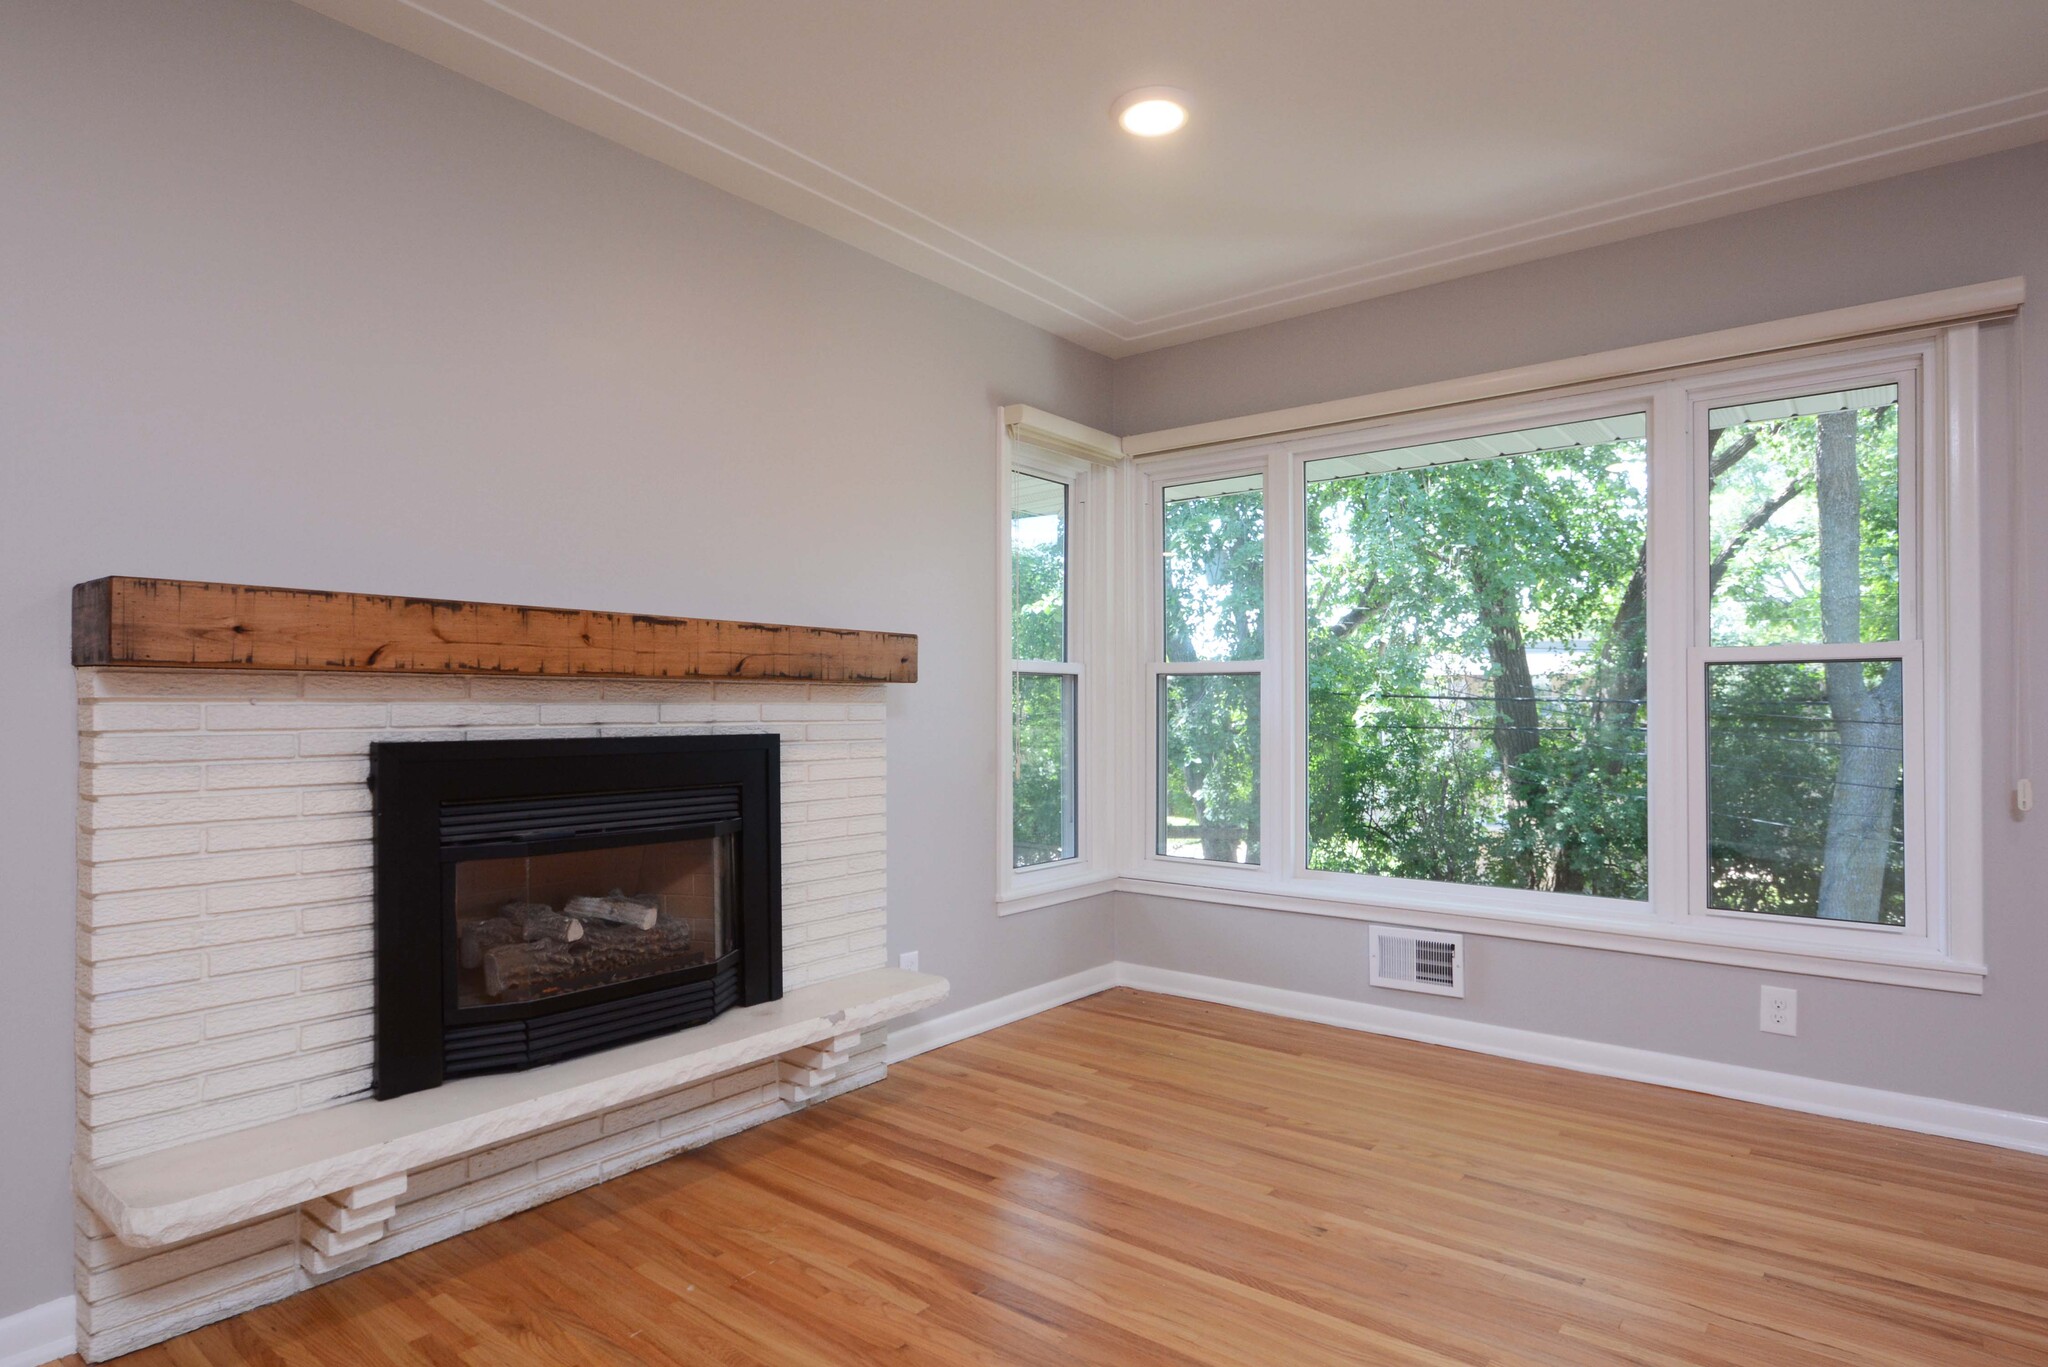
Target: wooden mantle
(177, 624)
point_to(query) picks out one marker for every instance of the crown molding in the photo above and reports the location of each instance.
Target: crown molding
(494, 43)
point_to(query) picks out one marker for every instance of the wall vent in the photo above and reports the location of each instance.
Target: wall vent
(1418, 960)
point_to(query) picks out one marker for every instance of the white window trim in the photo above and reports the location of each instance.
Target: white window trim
(1945, 954)
(1053, 448)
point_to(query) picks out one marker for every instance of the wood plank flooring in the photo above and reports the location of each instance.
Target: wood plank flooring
(1139, 1179)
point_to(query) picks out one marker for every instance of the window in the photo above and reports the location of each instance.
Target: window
(1042, 679)
(1807, 671)
(1212, 537)
(1055, 715)
(1680, 661)
(1476, 657)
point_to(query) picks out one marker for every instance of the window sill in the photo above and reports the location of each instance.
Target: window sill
(1071, 886)
(1859, 962)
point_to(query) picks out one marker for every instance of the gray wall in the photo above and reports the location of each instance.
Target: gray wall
(1957, 225)
(282, 304)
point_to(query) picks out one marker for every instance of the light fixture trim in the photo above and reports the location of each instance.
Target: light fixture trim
(1151, 111)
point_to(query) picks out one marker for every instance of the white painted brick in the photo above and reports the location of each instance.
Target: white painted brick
(246, 926)
(877, 786)
(799, 791)
(847, 768)
(288, 773)
(458, 1199)
(267, 835)
(842, 887)
(331, 744)
(533, 1147)
(145, 1269)
(168, 1065)
(101, 1113)
(353, 1085)
(129, 1007)
(184, 683)
(446, 714)
(808, 752)
(116, 780)
(204, 1286)
(538, 690)
(114, 813)
(433, 1181)
(289, 892)
(860, 852)
(525, 732)
(148, 747)
(293, 716)
(410, 687)
(137, 874)
(844, 808)
(335, 973)
(146, 1135)
(153, 937)
(813, 713)
(340, 1030)
(335, 858)
(101, 1345)
(710, 711)
(335, 801)
(656, 690)
(148, 842)
(594, 1154)
(303, 949)
(867, 712)
(98, 1046)
(289, 1009)
(127, 975)
(99, 716)
(742, 691)
(598, 713)
(657, 1108)
(848, 731)
(338, 916)
(280, 1072)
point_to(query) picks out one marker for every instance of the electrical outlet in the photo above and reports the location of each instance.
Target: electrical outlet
(1780, 1014)
(907, 961)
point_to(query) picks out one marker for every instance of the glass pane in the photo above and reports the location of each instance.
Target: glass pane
(1804, 519)
(1214, 539)
(1041, 768)
(1476, 660)
(540, 925)
(1038, 568)
(1209, 788)
(1806, 802)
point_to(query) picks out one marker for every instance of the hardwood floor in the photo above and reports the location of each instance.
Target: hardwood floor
(1139, 1179)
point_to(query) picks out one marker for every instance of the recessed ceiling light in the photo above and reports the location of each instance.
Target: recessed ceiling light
(1152, 112)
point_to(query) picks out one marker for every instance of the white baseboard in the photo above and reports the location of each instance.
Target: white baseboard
(39, 1334)
(912, 1040)
(1788, 1091)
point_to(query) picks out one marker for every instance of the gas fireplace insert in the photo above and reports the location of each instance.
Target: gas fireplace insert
(536, 900)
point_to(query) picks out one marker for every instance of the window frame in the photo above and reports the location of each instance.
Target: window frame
(1941, 944)
(1089, 627)
(1154, 479)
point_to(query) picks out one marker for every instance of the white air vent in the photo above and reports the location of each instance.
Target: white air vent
(1418, 961)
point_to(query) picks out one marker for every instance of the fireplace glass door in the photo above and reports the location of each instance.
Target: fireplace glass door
(555, 918)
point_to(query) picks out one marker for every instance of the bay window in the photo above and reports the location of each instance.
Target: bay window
(1678, 662)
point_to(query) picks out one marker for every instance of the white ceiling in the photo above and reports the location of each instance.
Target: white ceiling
(1338, 148)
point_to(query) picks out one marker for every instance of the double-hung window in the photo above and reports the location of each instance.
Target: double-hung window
(1208, 671)
(1055, 614)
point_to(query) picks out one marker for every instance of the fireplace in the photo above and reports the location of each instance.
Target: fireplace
(540, 899)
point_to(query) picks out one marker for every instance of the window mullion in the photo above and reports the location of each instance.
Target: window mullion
(1675, 589)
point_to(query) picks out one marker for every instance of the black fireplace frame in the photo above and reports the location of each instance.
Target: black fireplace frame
(415, 972)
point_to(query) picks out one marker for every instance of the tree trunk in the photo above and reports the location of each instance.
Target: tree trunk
(1857, 848)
